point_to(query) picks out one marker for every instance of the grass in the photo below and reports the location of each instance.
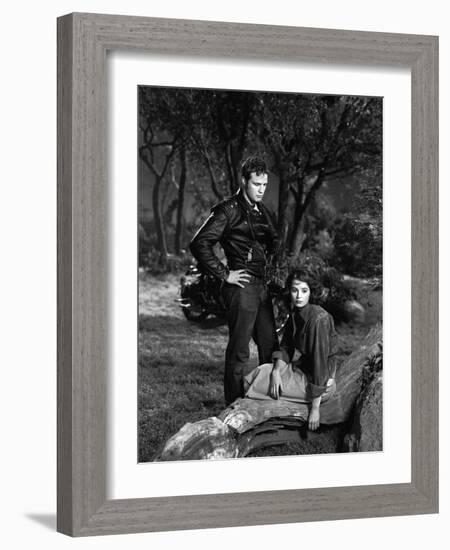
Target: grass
(181, 367)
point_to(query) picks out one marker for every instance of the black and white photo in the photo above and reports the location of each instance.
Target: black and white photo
(260, 273)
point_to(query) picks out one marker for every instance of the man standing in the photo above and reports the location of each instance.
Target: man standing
(244, 228)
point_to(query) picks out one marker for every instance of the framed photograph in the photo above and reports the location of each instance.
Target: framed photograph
(170, 135)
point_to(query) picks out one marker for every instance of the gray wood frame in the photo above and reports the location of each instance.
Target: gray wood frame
(83, 40)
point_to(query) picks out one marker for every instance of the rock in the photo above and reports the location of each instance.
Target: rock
(366, 433)
(354, 311)
(350, 311)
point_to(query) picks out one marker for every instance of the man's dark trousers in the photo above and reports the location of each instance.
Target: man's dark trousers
(250, 315)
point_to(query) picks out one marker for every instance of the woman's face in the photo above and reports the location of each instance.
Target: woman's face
(300, 293)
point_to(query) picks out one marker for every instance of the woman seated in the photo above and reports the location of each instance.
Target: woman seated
(303, 370)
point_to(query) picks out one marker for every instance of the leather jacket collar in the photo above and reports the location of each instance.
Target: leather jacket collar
(240, 196)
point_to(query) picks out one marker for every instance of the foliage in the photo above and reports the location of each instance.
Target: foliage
(357, 248)
(150, 261)
(336, 292)
(317, 224)
(358, 235)
(199, 137)
(313, 139)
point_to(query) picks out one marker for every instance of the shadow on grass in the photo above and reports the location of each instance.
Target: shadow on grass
(213, 322)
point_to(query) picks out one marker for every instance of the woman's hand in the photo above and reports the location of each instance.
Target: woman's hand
(275, 386)
(314, 419)
(331, 386)
(314, 414)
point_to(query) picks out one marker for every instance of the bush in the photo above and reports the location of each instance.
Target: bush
(358, 247)
(336, 291)
(151, 261)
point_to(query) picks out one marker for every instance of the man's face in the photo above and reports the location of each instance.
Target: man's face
(255, 187)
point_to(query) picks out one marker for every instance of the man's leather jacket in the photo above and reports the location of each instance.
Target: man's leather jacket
(246, 235)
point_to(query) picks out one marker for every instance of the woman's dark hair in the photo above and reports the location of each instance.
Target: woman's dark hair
(310, 278)
(255, 164)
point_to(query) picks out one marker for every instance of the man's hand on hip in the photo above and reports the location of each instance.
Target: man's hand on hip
(237, 277)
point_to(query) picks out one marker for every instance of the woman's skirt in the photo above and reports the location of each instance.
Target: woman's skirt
(294, 384)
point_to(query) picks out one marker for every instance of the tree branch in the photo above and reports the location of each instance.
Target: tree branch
(344, 169)
(173, 179)
(205, 154)
(312, 192)
(143, 150)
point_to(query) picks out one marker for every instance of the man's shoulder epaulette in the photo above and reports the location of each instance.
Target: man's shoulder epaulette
(226, 205)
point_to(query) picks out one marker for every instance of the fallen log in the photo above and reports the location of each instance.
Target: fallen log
(250, 424)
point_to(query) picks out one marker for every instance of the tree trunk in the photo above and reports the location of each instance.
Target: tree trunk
(234, 185)
(160, 234)
(309, 197)
(168, 214)
(237, 159)
(181, 188)
(283, 200)
(298, 235)
(156, 198)
(298, 230)
(297, 239)
(212, 177)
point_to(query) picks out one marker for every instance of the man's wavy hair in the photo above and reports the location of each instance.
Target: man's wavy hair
(311, 278)
(254, 163)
